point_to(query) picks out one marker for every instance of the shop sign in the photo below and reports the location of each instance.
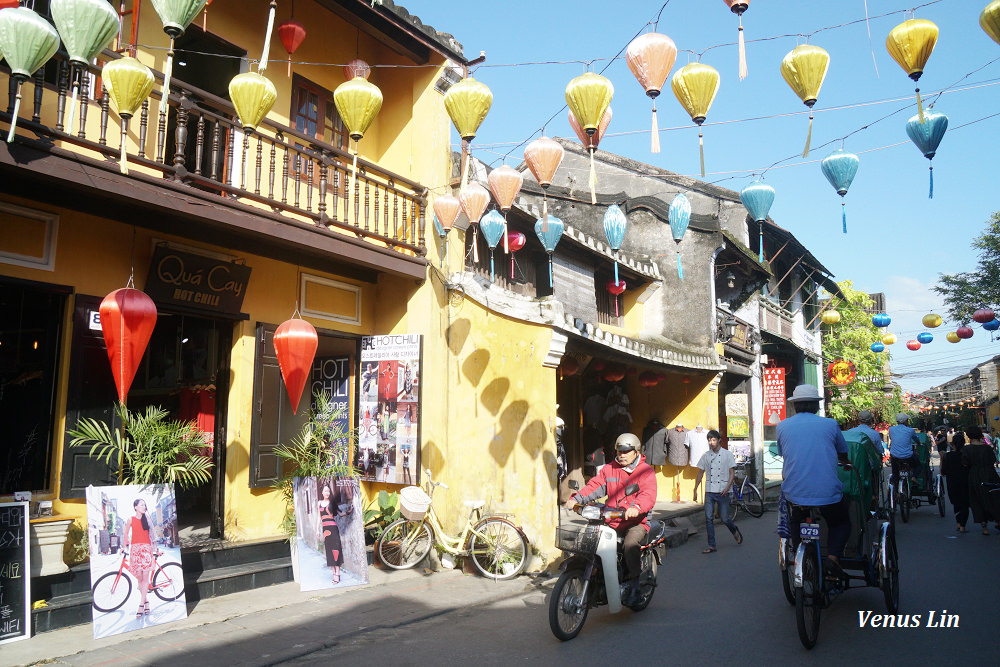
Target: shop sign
(737, 426)
(194, 281)
(774, 395)
(841, 372)
(15, 573)
(332, 375)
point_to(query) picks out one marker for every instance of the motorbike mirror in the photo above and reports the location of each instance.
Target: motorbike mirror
(631, 489)
(573, 484)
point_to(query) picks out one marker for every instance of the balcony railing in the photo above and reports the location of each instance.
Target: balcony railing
(200, 142)
(775, 319)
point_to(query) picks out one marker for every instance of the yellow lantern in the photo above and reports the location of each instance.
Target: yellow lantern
(358, 102)
(253, 95)
(952, 337)
(128, 83)
(932, 320)
(831, 317)
(467, 103)
(695, 86)
(989, 20)
(589, 96)
(910, 44)
(804, 69)
(889, 339)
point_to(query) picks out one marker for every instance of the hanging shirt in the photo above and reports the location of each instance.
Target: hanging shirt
(677, 452)
(697, 444)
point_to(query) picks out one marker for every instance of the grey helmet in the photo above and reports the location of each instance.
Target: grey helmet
(626, 442)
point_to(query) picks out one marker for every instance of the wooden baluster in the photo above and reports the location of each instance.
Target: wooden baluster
(243, 160)
(284, 177)
(395, 215)
(36, 113)
(199, 145)
(180, 138)
(367, 201)
(271, 169)
(230, 155)
(298, 177)
(143, 127)
(421, 225)
(385, 207)
(336, 189)
(84, 100)
(161, 136)
(375, 200)
(323, 166)
(61, 101)
(309, 182)
(215, 151)
(345, 183)
(260, 164)
(105, 103)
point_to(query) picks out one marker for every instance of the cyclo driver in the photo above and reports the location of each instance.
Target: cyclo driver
(628, 467)
(901, 441)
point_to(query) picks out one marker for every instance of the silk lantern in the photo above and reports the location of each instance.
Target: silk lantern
(295, 343)
(128, 317)
(437, 226)
(569, 366)
(86, 28)
(912, 345)
(253, 95)
(292, 34)
(614, 373)
(357, 67)
(881, 320)
(738, 7)
(878, 347)
(505, 182)
(549, 231)
(679, 216)
(925, 337)
(467, 103)
(128, 83)
(176, 16)
(757, 199)
(615, 224)
(650, 57)
(27, 42)
(543, 157)
(910, 44)
(446, 211)
(989, 20)
(695, 86)
(358, 102)
(588, 97)
(964, 332)
(953, 337)
(983, 315)
(830, 317)
(493, 226)
(931, 320)
(590, 142)
(515, 241)
(927, 135)
(804, 69)
(474, 199)
(840, 167)
(889, 339)
(615, 288)
(648, 379)
(992, 325)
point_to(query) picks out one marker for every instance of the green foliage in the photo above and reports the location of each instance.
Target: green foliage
(77, 546)
(382, 511)
(148, 448)
(964, 293)
(851, 339)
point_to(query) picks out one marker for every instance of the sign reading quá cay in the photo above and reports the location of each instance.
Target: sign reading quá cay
(194, 281)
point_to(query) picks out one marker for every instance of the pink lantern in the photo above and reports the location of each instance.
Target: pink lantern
(964, 332)
(590, 142)
(616, 288)
(128, 317)
(474, 199)
(295, 343)
(357, 67)
(447, 208)
(515, 241)
(983, 315)
(913, 345)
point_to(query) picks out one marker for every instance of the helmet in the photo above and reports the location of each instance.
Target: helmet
(626, 442)
(902, 418)
(866, 417)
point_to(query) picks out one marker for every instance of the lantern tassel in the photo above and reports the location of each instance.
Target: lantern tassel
(267, 38)
(761, 242)
(123, 158)
(920, 107)
(289, 65)
(593, 178)
(550, 269)
(743, 53)
(512, 266)
(930, 195)
(167, 72)
(616, 303)
(809, 136)
(843, 205)
(655, 145)
(493, 277)
(680, 269)
(701, 150)
(204, 19)
(616, 268)
(475, 244)
(506, 241)
(545, 211)
(13, 118)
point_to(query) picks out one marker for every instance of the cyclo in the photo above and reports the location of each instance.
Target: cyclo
(907, 487)
(870, 552)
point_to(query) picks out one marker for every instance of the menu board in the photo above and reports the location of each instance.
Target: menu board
(15, 573)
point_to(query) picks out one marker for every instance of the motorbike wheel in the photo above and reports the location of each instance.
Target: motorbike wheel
(904, 501)
(890, 580)
(567, 611)
(808, 599)
(647, 581)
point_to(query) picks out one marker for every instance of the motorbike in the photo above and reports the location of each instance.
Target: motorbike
(592, 575)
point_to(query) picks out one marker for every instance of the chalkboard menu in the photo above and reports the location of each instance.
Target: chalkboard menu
(15, 573)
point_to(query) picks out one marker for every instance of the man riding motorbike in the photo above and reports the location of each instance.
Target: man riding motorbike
(628, 467)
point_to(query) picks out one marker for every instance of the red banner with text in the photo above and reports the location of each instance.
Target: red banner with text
(774, 395)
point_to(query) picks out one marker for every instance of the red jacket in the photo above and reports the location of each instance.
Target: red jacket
(611, 482)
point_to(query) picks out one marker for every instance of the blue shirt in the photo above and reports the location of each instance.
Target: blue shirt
(809, 445)
(901, 441)
(872, 434)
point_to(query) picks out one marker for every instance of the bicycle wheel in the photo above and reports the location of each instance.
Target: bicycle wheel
(904, 500)
(111, 591)
(404, 543)
(752, 501)
(567, 608)
(498, 549)
(647, 581)
(890, 578)
(808, 599)
(734, 503)
(168, 582)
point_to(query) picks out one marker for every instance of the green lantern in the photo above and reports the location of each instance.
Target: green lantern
(176, 16)
(27, 41)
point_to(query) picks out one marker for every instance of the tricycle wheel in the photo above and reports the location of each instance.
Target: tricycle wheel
(808, 599)
(890, 578)
(786, 584)
(904, 501)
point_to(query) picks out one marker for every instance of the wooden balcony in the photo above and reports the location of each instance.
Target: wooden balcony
(775, 319)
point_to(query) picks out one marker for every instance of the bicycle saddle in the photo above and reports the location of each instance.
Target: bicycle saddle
(474, 504)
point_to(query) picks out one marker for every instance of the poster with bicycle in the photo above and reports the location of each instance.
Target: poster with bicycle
(389, 409)
(329, 533)
(135, 557)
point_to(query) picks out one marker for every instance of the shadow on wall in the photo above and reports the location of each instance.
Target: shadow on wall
(458, 333)
(475, 365)
(533, 438)
(510, 425)
(493, 397)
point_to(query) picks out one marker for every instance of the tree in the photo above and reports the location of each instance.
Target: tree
(964, 293)
(851, 340)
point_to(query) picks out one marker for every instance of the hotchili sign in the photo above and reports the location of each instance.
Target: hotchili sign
(185, 279)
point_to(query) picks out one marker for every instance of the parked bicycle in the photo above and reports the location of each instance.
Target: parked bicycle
(745, 494)
(497, 547)
(113, 589)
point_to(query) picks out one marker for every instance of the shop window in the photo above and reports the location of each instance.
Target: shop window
(29, 237)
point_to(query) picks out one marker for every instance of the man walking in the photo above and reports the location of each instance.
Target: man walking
(720, 467)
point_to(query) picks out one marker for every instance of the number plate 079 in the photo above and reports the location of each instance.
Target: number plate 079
(809, 531)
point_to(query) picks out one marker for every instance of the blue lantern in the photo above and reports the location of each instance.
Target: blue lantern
(992, 325)
(840, 167)
(757, 199)
(492, 224)
(614, 229)
(924, 338)
(878, 347)
(881, 320)
(927, 136)
(438, 228)
(679, 216)
(549, 231)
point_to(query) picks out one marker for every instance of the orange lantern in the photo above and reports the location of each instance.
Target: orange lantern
(648, 379)
(447, 208)
(295, 343)
(505, 182)
(128, 317)
(474, 199)
(543, 157)
(650, 58)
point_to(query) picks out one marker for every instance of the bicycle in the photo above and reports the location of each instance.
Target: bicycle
(113, 589)
(745, 494)
(498, 548)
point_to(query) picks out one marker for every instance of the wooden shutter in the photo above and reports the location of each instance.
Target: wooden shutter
(265, 467)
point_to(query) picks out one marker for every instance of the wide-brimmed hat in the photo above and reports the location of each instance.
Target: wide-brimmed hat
(805, 392)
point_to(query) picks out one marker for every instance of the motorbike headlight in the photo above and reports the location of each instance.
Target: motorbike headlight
(590, 513)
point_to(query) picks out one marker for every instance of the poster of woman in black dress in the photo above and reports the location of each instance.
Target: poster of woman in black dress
(330, 543)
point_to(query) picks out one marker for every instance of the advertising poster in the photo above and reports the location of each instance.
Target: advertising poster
(774, 395)
(329, 533)
(135, 557)
(15, 573)
(332, 375)
(389, 409)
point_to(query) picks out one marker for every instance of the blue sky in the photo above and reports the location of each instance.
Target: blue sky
(898, 240)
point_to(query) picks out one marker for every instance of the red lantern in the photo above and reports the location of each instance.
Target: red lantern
(569, 366)
(983, 315)
(964, 332)
(515, 241)
(685, 379)
(648, 379)
(614, 373)
(8, 4)
(913, 345)
(291, 33)
(616, 289)
(128, 317)
(598, 365)
(660, 377)
(295, 343)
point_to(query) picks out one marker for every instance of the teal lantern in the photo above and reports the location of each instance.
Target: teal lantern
(925, 337)
(493, 225)
(757, 198)
(615, 224)
(878, 347)
(549, 231)
(27, 41)
(176, 16)
(679, 216)
(840, 167)
(927, 135)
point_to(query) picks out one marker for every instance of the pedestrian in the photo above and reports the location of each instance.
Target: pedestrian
(719, 465)
(957, 481)
(979, 459)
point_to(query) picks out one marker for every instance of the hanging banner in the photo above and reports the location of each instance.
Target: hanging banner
(774, 395)
(389, 409)
(15, 573)
(329, 533)
(841, 372)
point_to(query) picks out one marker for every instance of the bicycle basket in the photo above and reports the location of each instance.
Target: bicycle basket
(413, 503)
(578, 539)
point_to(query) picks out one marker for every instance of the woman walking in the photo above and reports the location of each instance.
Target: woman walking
(979, 459)
(140, 553)
(957, 478)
